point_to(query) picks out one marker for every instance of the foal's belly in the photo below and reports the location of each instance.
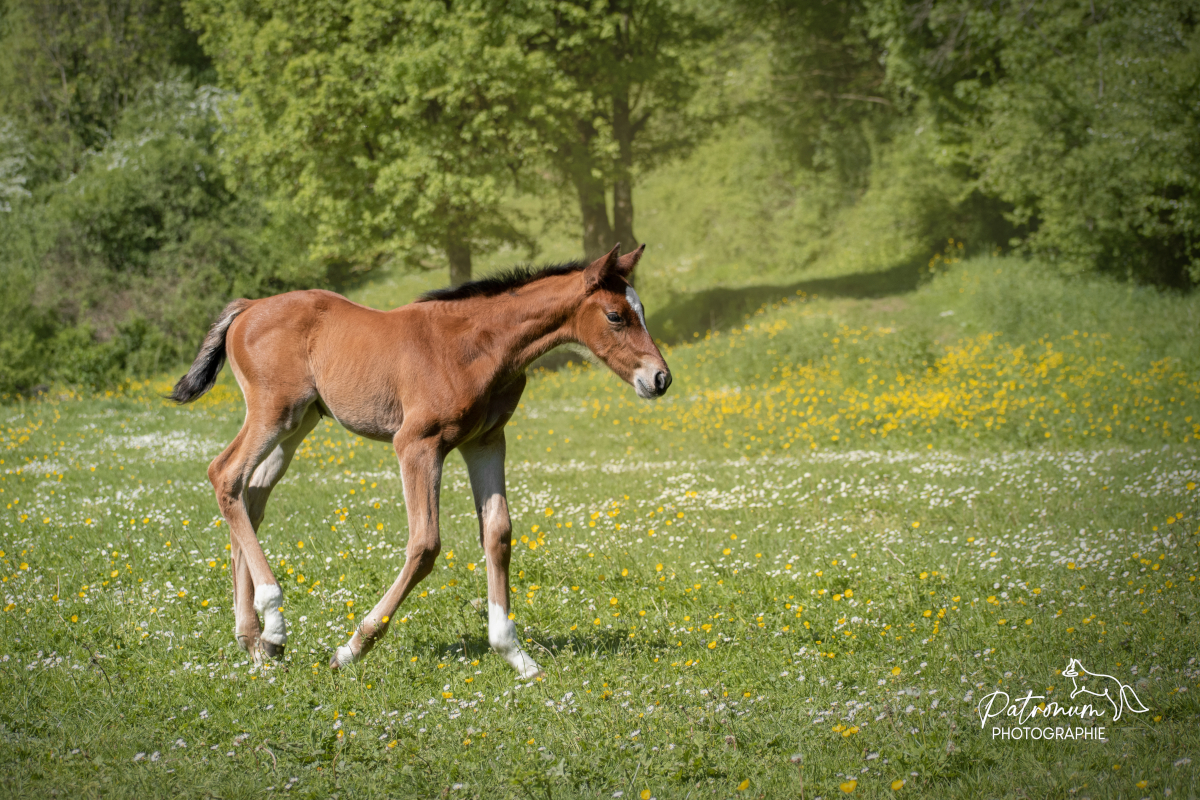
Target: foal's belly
(376, 432)
(379, 422)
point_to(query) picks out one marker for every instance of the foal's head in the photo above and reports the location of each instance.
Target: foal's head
(612, 324)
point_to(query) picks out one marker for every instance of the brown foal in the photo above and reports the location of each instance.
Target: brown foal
(442, 373)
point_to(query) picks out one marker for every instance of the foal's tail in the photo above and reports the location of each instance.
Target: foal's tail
(203, 374)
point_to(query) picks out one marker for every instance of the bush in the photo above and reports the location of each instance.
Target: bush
(121, 269)
(1081, 117)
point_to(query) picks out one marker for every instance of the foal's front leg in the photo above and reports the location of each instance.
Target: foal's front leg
(485, 465)
(421, 471)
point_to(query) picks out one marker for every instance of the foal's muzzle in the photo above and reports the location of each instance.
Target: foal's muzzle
(651, 382)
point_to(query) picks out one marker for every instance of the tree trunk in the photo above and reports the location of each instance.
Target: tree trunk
(623, 214)
(597, 233)
(458, 251)
(623, 186)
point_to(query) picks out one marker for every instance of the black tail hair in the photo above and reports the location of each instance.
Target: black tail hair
(203, 374)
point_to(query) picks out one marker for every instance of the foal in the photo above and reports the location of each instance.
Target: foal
(442, 373)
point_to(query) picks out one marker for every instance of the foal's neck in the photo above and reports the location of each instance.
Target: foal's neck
(521, 325)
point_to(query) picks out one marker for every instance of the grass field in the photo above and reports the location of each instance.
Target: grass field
(795, 576)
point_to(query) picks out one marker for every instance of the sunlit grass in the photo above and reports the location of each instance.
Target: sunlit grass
(1067, 390)
(720, 614)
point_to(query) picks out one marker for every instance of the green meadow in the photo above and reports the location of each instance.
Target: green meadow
(865, 504)
(917, 518)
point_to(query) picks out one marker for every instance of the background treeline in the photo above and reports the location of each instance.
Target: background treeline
(158, 157)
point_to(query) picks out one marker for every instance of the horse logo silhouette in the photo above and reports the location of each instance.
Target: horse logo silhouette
(1118, 694)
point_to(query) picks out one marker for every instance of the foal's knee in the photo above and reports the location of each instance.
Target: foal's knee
(422, 555)
(500, 533)
(498, 546)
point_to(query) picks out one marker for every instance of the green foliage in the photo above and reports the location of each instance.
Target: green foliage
(119, 237)
(396, 127)
(14, 157)
(854, 140)
(827, 99)
(68, 70)
(869, 183)
(1082, 117)
(402, 128)
(627, 72)
(119, 271)
(645, 55)
(1067, 131)
(736, 214)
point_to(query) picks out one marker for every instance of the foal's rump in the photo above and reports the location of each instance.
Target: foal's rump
(291, 350)
(317, 346)
(256, 320)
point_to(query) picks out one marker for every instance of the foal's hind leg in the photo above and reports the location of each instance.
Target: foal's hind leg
(264, 479)
(275, 465)
(255, 587)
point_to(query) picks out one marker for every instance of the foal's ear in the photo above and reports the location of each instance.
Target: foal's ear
(599, 270)
(627, 262)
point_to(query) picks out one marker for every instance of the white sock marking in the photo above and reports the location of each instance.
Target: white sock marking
(267, 600)
(502, 634)
(344, 655)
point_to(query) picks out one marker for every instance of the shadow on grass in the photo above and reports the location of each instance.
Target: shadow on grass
(716, 309)
(605, 642)
(720, 308)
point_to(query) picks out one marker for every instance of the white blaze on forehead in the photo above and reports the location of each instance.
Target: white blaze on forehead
(636, 302)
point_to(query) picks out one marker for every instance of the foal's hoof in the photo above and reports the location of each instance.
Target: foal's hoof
(271, 650)
(342, 657)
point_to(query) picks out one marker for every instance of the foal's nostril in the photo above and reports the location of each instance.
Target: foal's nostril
(661, 381)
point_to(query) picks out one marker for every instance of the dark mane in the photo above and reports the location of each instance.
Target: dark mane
(500, 282)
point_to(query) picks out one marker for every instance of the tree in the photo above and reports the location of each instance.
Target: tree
(627, 71)
(399, 127)
(1082, 116)
(119, 237)
(828, 101)
(68, 70)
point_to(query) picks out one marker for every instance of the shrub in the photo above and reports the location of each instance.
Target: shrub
(119, 271)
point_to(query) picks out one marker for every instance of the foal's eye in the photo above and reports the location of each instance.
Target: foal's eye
(614, 317)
